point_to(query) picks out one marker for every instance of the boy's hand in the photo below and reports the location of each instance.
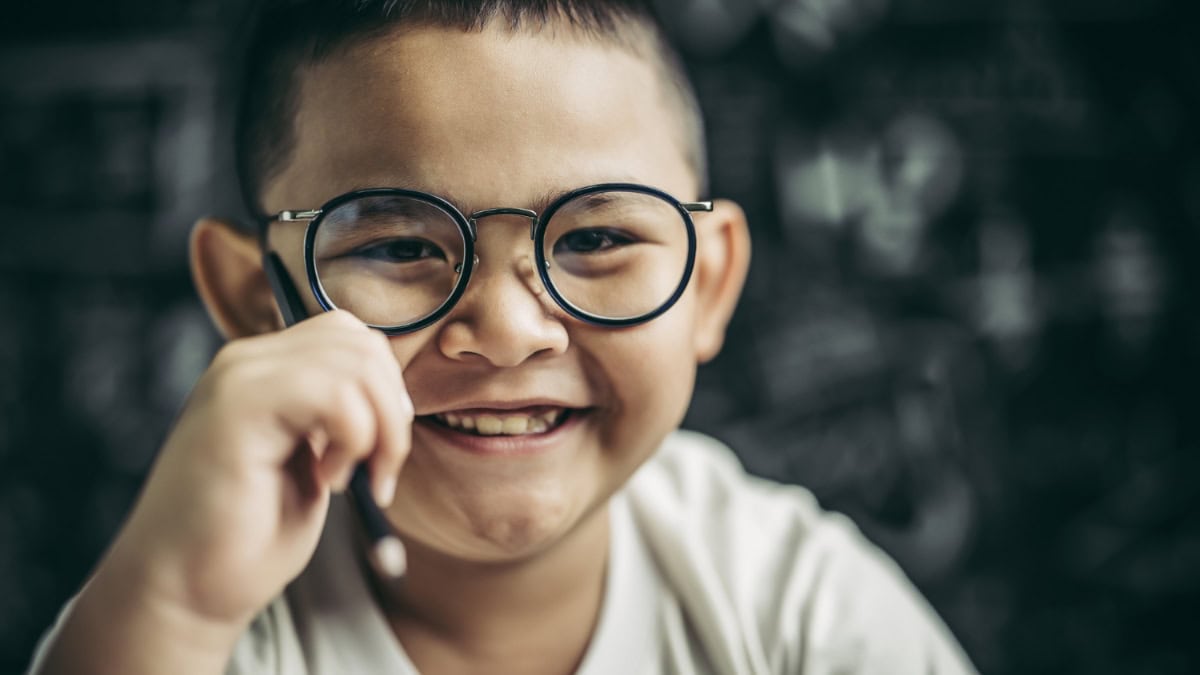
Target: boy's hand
(235, 504)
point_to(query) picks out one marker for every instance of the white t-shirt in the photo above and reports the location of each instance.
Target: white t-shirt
(711, 571)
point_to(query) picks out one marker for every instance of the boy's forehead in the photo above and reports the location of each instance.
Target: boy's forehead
(489, 115)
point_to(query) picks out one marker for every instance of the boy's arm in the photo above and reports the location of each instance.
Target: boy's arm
(237, 499)
(106, 630)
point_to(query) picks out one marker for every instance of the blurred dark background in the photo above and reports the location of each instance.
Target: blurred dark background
(970, 325)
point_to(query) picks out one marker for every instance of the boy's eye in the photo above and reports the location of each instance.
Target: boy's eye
(400, 250)
(591, 240)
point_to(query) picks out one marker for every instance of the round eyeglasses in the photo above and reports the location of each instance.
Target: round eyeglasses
(614, 254)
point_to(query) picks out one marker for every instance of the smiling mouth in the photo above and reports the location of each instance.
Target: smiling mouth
(541, 420)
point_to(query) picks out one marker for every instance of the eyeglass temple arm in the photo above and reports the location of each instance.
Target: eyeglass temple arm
(294, 216)
(297, 216)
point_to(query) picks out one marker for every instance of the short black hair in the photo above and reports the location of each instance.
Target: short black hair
(284, 36)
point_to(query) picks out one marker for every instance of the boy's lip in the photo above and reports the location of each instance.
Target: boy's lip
(513, 405)
(519, 445)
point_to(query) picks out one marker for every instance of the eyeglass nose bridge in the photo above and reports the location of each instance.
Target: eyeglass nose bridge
(504, 211)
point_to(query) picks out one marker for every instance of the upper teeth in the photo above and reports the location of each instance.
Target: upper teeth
(510, 424)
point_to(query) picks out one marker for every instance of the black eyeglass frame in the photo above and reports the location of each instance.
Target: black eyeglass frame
(290, 302)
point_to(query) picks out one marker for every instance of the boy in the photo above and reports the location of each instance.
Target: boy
(486, 209)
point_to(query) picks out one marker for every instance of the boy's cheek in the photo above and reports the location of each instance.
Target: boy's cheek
(407, 348)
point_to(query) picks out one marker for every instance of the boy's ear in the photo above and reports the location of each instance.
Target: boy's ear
(722, 261)
(227, 270)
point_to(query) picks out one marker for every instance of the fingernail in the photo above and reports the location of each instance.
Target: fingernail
(385, 491)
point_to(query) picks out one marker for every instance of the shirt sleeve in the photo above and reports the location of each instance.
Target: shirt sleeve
(270, 646)
(768, 582)
(861, 614)
(51, 634)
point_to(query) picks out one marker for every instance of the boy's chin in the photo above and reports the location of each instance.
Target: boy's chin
(512, 531)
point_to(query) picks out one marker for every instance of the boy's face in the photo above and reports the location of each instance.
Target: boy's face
(499, 119)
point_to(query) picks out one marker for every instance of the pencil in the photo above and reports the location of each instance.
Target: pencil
(387, 553)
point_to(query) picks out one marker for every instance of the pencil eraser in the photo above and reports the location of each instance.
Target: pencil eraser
(390, 557)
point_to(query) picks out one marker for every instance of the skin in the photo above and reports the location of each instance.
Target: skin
(506, 552)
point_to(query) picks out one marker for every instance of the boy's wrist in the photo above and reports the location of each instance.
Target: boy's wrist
(155, 587)
(145, 592)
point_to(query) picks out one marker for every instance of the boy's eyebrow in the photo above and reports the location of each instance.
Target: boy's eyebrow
(378, 215)
(549, 196)
(538, 204)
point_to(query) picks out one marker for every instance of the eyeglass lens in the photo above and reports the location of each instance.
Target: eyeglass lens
(390, 260)
(616, 255)
(393, 260)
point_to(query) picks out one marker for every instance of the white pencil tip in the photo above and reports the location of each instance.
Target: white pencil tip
(390, 557)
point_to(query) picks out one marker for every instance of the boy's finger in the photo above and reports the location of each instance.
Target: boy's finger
(364, 360)
(343, 413)
(394, 415)
(336, 468)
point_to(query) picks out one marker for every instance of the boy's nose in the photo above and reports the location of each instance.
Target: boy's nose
(505, 316)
